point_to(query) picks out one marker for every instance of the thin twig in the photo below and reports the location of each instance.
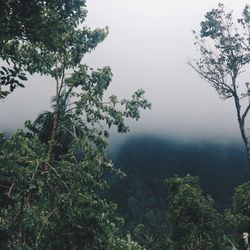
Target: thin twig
(246, 112)
(10, 189)
(4, 186)
(45, 222)
(58, 176)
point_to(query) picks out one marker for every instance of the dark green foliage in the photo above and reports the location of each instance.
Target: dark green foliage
(35, 34)
(11, 77)
(28, 22)
(52, 176)
(220, 166)
(241, 200)
(141, 196)
(195, 223)
(54, 208)
(51, 198)
(240, 212)
(53, 201)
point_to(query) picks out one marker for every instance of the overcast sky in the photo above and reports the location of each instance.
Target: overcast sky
(149, 45)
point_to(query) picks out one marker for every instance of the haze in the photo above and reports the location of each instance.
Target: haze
(149, 45)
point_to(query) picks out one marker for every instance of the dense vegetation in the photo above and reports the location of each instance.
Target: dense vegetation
(52, 174)
(55, 175)
(143, 197)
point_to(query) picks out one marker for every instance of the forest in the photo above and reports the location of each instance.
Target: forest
(62, 187)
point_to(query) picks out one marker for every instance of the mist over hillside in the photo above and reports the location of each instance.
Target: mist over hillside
(221, 166)
(148, 159)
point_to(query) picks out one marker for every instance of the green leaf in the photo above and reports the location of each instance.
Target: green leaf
(22, 77)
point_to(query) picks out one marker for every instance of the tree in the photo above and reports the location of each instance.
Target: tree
(195, 223)
(38, 23)
(58, 208)
(240, 212)
(53, 176)
(224, 55)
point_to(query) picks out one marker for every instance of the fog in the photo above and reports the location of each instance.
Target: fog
(149, 45)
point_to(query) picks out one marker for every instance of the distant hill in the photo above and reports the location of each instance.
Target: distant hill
(148, 160)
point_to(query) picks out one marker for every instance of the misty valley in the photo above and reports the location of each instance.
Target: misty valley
(149, 160)
(68, 180)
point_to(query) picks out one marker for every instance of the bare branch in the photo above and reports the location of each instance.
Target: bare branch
(223, 89)
(245, 113)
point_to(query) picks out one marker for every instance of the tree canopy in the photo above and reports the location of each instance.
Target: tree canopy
(224, 45)
(53, 174)
(32, 32)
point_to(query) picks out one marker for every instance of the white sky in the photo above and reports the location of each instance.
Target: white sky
(148, 47)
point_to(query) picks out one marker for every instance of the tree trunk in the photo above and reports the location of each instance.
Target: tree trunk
(241, 122)
(56, 118)
(245, 139)
(53, 139)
